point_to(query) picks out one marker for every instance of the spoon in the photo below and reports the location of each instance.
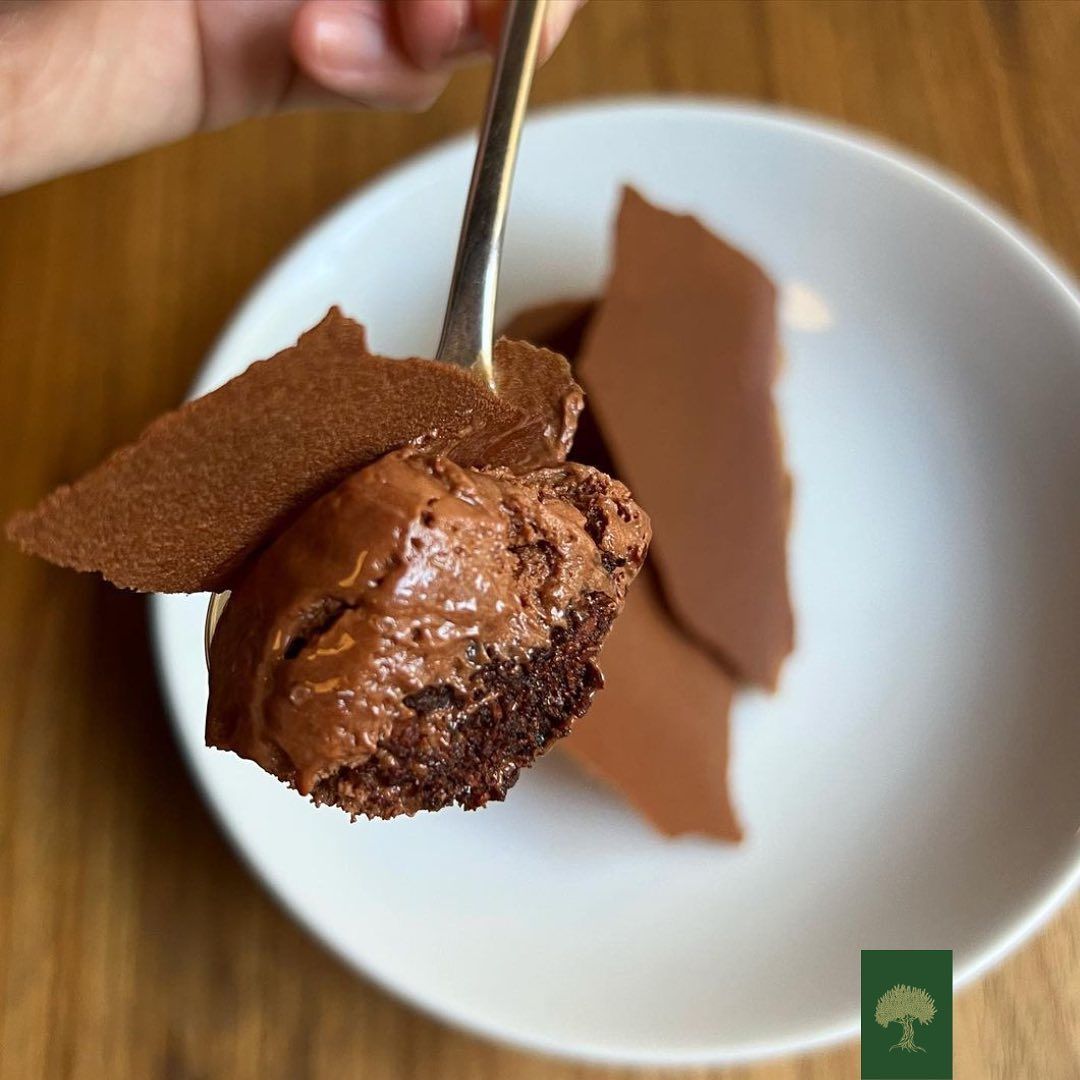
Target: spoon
(469, 324)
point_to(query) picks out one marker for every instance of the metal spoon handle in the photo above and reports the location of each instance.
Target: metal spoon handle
(468, 328)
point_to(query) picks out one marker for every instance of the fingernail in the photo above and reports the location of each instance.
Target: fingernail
(349, 36)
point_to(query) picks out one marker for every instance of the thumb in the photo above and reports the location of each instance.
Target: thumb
(348, 47)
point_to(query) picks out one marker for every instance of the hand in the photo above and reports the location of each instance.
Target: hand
(86, 81)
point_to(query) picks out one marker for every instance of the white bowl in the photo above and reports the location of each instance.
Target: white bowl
(914, 783)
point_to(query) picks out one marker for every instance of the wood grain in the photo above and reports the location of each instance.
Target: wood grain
(133, 944)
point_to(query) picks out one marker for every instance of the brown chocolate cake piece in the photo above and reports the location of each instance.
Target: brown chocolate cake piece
(423, 631)
(468, 746)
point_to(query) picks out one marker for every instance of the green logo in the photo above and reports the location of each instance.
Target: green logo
(907, 1014)
(904, 1005)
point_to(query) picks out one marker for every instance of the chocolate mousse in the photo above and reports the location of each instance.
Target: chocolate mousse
(423, 631)
(419, 583)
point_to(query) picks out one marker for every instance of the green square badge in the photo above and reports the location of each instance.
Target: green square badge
(907, 1014)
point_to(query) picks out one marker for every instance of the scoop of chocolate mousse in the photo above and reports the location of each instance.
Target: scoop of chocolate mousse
(423, 631)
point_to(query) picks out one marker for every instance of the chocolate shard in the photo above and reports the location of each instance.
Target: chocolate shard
(182, 508)
(679, 364)
(659, 732)
(560, 326)
(683, 343)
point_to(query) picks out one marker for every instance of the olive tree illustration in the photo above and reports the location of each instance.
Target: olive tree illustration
(904, 1005)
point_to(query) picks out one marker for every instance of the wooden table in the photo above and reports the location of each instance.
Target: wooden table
(133, 943)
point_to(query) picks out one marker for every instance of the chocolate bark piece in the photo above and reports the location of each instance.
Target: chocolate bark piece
(683, 342)
(560, 325)
(679, 364)
(659, 732)
(181, 508)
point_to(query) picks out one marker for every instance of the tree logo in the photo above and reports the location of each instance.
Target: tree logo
(913, 989)
(904, 1005)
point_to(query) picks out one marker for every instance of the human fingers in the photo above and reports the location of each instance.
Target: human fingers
(350, 48)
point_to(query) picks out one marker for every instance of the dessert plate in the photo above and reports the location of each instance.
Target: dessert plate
(913, 784)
